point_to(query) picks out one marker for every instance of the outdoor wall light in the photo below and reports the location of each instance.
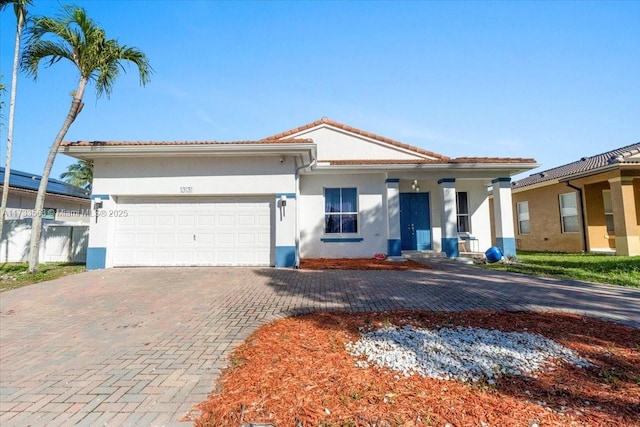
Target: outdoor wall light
(283, 200)
(97, 205)
(415, 185)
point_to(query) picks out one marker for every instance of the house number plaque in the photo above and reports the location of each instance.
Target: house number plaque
(186, 190)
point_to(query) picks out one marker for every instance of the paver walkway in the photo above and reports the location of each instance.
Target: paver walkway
(141, 347)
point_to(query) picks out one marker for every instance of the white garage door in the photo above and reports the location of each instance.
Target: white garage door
(192, 231)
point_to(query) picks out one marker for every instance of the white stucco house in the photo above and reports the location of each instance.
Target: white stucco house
(320, 190)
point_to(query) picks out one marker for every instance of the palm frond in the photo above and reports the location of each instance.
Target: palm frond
(80, 40)
(79, 174)
(44, 50)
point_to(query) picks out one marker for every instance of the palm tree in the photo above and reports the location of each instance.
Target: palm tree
(20, 9)
(79, 174)
(75, 37)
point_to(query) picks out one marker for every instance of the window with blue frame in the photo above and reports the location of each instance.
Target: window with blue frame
(340, 210)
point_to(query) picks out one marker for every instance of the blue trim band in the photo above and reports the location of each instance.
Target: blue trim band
(101, 196)
(394, 247)
(508, 245)
(341, 239)
(443, 180)
(450, 247)
(287, 195)
(285, 256)
(96, 258)
(493, 181)
(392, 180)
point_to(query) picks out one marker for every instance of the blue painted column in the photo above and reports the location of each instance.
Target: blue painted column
(285, 239)
(394, 246)
(503, 216)
(449, 217)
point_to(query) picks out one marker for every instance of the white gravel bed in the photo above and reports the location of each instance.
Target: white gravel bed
(464, 353)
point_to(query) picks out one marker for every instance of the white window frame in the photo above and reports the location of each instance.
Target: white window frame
(523, 217)
(356, 212)
(608, 212)
(566, 212)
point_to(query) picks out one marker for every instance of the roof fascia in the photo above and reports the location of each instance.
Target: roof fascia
(513, 168)
(603, 169)
(84, 152)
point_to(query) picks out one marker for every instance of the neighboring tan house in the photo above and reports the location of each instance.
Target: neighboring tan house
(590, 205)
(321, 190)
(66, 219)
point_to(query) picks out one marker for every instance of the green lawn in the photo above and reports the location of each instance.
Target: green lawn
(14, 275)
(616, 270)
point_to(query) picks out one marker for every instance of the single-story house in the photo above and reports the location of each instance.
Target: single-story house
(590, 205)
(66, 219)
(324, 189)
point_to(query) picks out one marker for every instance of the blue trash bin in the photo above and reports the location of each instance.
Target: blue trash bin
(493, 254)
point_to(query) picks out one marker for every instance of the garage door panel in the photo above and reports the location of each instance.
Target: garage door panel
(143, 257)
(161, 220)
(164, 257)
(165, 239)
(145, 239)
(263, 239)
(206, 238)
(206, 220)
(224, 238)
(226, 220)
(227, 232)
(186, 219)
(246, 239)
(184, 239)
(224, 257)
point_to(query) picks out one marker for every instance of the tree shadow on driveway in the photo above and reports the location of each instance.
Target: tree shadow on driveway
(450, 287)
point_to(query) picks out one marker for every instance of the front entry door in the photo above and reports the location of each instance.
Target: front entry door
(415, 226)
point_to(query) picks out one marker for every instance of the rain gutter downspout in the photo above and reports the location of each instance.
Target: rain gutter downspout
(582, 207)
(298, 169)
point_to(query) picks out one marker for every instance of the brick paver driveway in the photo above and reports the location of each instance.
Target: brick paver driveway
(142, 346)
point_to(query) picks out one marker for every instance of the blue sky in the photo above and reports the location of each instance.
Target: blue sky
(550, 80)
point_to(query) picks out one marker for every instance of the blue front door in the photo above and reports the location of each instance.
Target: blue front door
(415, 226)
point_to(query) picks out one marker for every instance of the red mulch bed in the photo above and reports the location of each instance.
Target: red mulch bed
(359, 264)
(296, 372)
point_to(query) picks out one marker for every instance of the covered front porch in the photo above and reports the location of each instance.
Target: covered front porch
(452, 216)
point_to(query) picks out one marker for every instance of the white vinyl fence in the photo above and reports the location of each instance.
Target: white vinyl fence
(60, 242)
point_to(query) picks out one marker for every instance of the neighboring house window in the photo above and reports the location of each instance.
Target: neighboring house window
(608, 211)
(462, 206)
(569, 213)
(523, 218)
(340, 210)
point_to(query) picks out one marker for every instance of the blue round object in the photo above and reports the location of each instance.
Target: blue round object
(493, 254)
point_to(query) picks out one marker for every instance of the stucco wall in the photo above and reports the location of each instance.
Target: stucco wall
(597, 234)
(203, 175)
(372, 227)
(334, 144)
(544, 215)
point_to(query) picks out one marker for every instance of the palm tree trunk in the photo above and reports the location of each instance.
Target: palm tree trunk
(12, 107)
(36, 224)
